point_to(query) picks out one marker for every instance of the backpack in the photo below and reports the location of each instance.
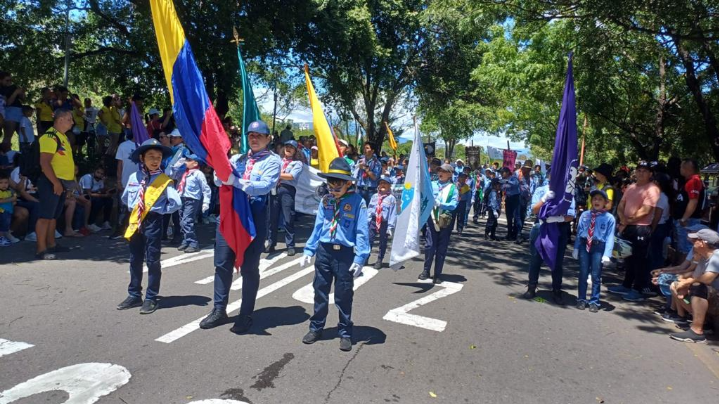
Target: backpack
(580, 195)
(30, 160)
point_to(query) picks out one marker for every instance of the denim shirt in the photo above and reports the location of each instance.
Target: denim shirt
(295, 169)
(196, 187)
(604, 230)
(168, 202)
(389, 209)
(493, 201)
(375, 168)
(511, 186)
(352, 230)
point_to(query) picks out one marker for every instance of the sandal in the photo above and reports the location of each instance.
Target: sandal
(45, 255)
(73, 234)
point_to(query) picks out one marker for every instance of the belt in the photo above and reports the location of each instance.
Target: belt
(367, 188)
(583, 240)
(334, 247)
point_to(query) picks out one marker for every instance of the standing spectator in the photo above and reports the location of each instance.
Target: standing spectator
(91, 114)
(27, 133)
(114, 124)
(195, 196)
(154, 126)
(101, 198)
(44, 111)
(78, 129)
(7, 205)
(286, 135)
(14, 97)
(511, 188)
(125, 168)
(601, 181)
(661, 225)
(58, 171)
(688, 207)
(636, 212)
(110, 125)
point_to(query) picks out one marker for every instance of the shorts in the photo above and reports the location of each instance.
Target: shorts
(51, 205)
(13, 114)
(80, 139)
(702, 291)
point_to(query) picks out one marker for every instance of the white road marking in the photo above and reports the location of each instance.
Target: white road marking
(264, 264)
(194, 325)
(85, 383)
(217, 401)
(401, 315)
(10, 347)
(306, 294)
(183, 259)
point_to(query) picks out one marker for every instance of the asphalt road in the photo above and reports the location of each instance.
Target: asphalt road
(470, 340)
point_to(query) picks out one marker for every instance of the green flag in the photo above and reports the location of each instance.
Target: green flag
(250, 109)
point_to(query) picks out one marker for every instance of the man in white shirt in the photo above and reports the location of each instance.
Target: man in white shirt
(125, 168)
(93, 186)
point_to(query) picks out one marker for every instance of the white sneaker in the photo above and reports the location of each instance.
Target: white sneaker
(94, 228)
(106, 226)
(4, 242)
(12, 238)
(31, 237)
(57, 234)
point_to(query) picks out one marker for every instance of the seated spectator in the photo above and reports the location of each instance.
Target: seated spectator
(101, 198)
(7, 204)
(695, 293)
(27, 200)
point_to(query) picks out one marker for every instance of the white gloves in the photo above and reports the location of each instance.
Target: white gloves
(389, 233)
(605, 260)
(205, 208)
(306, 259)
(497, 214)
(555, 219)
(575, 253)
(356, 270)
(230, 180)
(548, 195)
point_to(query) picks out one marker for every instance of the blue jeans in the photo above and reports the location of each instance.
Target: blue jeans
(329, 264)
(190, 209)
(590, 262)
(146, 245)
(436, 245)
(536, 261)
(460, 214)
(683, 245)
(5, 219)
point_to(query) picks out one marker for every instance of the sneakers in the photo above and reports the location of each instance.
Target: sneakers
(12, 238)
(106, 226)
(192, 249)
(345, 344)
(242, 324)
(182, 247)
(594, 308)
(530, 293)
(94, 228)
(672, 317)
(634, 296)
(31, 237)
(424, 276)
(311, 337)
(619, 290)
(129, 303)
(689, 336)
(558, 298)
(4, 242)
(215, 318)
(581, 305)
(58, 235)
(149, 306)
(378, 264)
(290, 251)
(647, 292)
(116, 236)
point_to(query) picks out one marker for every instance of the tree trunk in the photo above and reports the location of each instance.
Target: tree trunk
(660, 116)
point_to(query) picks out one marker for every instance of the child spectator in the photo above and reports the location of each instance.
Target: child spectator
(7, 204)
(194, 194)
(492, 203)
(464, 201)
(93, 187)
(382, 212)
(28, 200)
(593, 247)
(27, 133)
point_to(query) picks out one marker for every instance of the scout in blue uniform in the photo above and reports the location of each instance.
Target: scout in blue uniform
(465, 194)
(382, 212)
(340, 241)
(195, 194)
(174, 166)
(440, 223)
(511, 188)
(492, 206)
(259, 172)
(149, 194)
(282, 203)
(526, 191)
(367, 172)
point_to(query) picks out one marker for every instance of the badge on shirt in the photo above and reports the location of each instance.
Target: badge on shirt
(347, 207)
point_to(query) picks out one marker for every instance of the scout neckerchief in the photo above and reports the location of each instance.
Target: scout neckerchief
(370, 165)
(336, 213)
(181, 185)
(285, 163)
(252, 158)
(379, 209)
(449, 195)
(591, 230)
(146, 199)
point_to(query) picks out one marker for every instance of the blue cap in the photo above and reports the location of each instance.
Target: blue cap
(291, 143)
(599, 192)
(385, 178)
(147, 145)
(258, 127)
(384, 160)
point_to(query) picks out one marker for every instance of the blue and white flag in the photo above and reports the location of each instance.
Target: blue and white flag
(416, 205)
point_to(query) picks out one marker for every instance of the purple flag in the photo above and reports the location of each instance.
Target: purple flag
(563, 171)
(139, 131)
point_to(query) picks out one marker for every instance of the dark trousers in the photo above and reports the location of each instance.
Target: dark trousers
(373, 231)
(250, 269)
(190, 209)
(478, 208)
(367, 193)
(33, 209)
(436, 245)
(657, 241)
(460, 214)
(145, 245)
(520, 215)
(98, 204)
(177, 230)
(491, 223)
(637, 269)
(511, 205)
(333, 266)
(536, 261)
(283, 204)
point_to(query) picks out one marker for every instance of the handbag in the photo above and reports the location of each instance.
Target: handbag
(445, 218)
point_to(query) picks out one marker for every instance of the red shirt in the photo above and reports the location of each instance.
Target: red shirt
(694, 187)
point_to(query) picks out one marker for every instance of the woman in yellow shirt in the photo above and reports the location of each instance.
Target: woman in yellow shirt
(78, 130)
(44, 111)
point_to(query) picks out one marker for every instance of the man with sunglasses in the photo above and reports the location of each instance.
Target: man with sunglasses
(259, 172)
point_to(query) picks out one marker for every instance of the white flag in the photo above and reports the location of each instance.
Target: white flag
(416, 206)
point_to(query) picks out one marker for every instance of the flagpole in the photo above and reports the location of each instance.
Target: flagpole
(582, 148)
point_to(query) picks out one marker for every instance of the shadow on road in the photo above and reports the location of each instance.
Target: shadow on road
(273, 317)
(361, 333)
(169, 302)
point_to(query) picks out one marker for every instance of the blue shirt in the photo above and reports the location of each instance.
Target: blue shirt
(375, 167)
(493, 200)
(352, 229)
(604, 230)
(511, 186)
(293, 168)
(389, 209)
(450, 205)
(526, 190)
(196, 187)
(168, 202)
(263, 177)
(175, 164)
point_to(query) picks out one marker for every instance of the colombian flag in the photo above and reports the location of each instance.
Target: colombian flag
(199, 124)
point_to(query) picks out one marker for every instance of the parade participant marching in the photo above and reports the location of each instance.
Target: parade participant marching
(367, 172)
(282, 203)
(440, 224)
(195, 194)
(511, 188)
(593, 247)
(174, 166)
(260, 170)
(492, 207)
(526, 191)
(150, 195)
(463, 201)
(340, 239)
(382, 212)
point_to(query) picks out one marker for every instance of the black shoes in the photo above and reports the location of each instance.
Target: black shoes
(436, 280)
(378, 265)
(530, 293)
(311, 337)
(270, 249)
(129, 303)
(345, 344)
(290, 251)
(581, 305)
(242, 324)
(558, 298)
(215, 318)
(183, 247)
(424, 276)
(192, 249)
(149, 307)
(594, 308)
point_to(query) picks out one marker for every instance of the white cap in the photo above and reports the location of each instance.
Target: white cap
(343, 142)
(175, 133)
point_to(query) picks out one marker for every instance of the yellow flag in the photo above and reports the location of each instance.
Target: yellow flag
(391, 138)
(327, 147)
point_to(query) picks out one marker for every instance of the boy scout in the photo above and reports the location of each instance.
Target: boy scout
(382, 212)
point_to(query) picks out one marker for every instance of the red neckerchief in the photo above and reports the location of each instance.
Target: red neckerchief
(181, 185)
(252, 158)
